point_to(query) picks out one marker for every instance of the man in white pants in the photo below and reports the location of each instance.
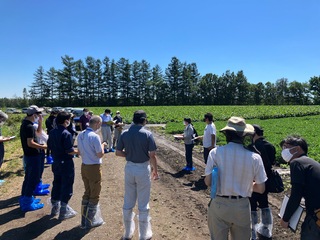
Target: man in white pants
(138, 147)
(106, 129)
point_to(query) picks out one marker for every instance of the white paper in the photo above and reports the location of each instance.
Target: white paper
(295, 218)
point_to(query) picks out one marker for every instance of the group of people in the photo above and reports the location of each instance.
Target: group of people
(110, 126)
(136, 144)
(240, 207)
(241, 189)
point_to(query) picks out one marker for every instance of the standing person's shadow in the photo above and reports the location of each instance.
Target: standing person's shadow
(32, 230)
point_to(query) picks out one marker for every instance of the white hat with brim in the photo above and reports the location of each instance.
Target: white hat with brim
(238, 124)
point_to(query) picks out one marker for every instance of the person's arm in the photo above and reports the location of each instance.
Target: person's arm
(292, 205)
(5, 139)
(259, 188)
(120, 153)
(213, 141)
(154, 166)
(32, 144)
(207, 180)
(39, 129)
(100, 154)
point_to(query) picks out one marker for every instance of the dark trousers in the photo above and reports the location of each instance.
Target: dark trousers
(32, 174)
(63, 179)
(205, 154)
(258, 200)
(1, 153)
(42, 157)
(189, 148)
(309, 229)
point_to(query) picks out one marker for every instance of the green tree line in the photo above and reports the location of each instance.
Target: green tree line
(95, 82)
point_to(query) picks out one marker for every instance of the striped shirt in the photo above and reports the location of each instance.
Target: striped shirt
(238, 168)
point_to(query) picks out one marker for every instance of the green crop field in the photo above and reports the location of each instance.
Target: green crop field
(277, 121)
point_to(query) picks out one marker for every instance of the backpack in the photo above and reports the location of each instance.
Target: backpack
(195, 134)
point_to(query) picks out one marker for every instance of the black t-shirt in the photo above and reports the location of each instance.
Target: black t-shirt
(27, 131)
(305, 181)
(117, 120)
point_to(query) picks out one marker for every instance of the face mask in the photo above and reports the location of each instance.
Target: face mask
(68, 123)
(36, 119)
(85, 113)
(118, 115)
(286, 154)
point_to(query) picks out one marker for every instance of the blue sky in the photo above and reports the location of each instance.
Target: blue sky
(267, 39)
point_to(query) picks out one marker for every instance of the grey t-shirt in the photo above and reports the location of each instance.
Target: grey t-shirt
(137, 142)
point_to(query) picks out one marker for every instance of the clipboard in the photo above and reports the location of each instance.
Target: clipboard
(295, 218)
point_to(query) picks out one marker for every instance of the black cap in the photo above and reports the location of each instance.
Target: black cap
(258, 129)
(139, 116)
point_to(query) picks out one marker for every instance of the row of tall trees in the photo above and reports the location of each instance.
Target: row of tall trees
(95, 82)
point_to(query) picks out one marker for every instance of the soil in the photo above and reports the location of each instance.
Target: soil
(178, 202)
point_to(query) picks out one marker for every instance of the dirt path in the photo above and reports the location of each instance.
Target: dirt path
(178, 203)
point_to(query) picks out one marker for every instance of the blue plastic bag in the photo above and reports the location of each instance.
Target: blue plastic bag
(214, 181)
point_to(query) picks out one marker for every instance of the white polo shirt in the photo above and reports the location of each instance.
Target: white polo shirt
(237, 169)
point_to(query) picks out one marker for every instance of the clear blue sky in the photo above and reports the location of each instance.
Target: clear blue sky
(267, 39)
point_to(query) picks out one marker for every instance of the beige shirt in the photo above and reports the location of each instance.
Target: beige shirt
(237, 169)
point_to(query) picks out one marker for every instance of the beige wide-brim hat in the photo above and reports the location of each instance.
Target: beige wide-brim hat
(238, 124)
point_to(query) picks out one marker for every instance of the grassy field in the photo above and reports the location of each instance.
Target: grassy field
(277, 121)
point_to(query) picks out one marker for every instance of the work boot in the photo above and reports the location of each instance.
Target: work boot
(84, 212)
(264, 229)
(254, 222)
(55, 209)
(66, 212)
(145, 231)
(27, 204)
(129, 224)
(93, 218)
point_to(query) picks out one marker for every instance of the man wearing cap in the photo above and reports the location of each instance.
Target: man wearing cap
(118, 124)
(32, 158)
(268, 154)
(138, 147)
(305, 181)
(61, 144)
(240, 172)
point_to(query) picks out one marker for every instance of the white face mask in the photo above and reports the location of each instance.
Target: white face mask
(118, 114)
(36, 119)
(286, 154)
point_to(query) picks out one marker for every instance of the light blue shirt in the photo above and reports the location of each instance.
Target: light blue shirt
(105, 118)
(89, 144)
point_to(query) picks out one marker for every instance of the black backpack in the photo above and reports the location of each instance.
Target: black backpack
(195, 134)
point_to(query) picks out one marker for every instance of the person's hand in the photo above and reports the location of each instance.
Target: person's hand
(155, 175)
(284, 224)
(40, 119)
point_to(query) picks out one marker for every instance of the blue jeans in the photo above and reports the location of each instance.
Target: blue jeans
(189, 148)
(32, 174)
(63, 179)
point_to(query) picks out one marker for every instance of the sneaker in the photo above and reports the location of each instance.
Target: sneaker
(106, 151)
(111, 150)
(192, 168)
(185, 168)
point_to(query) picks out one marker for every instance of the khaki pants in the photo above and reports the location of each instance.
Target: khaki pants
(91, 176)
(229, 216)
